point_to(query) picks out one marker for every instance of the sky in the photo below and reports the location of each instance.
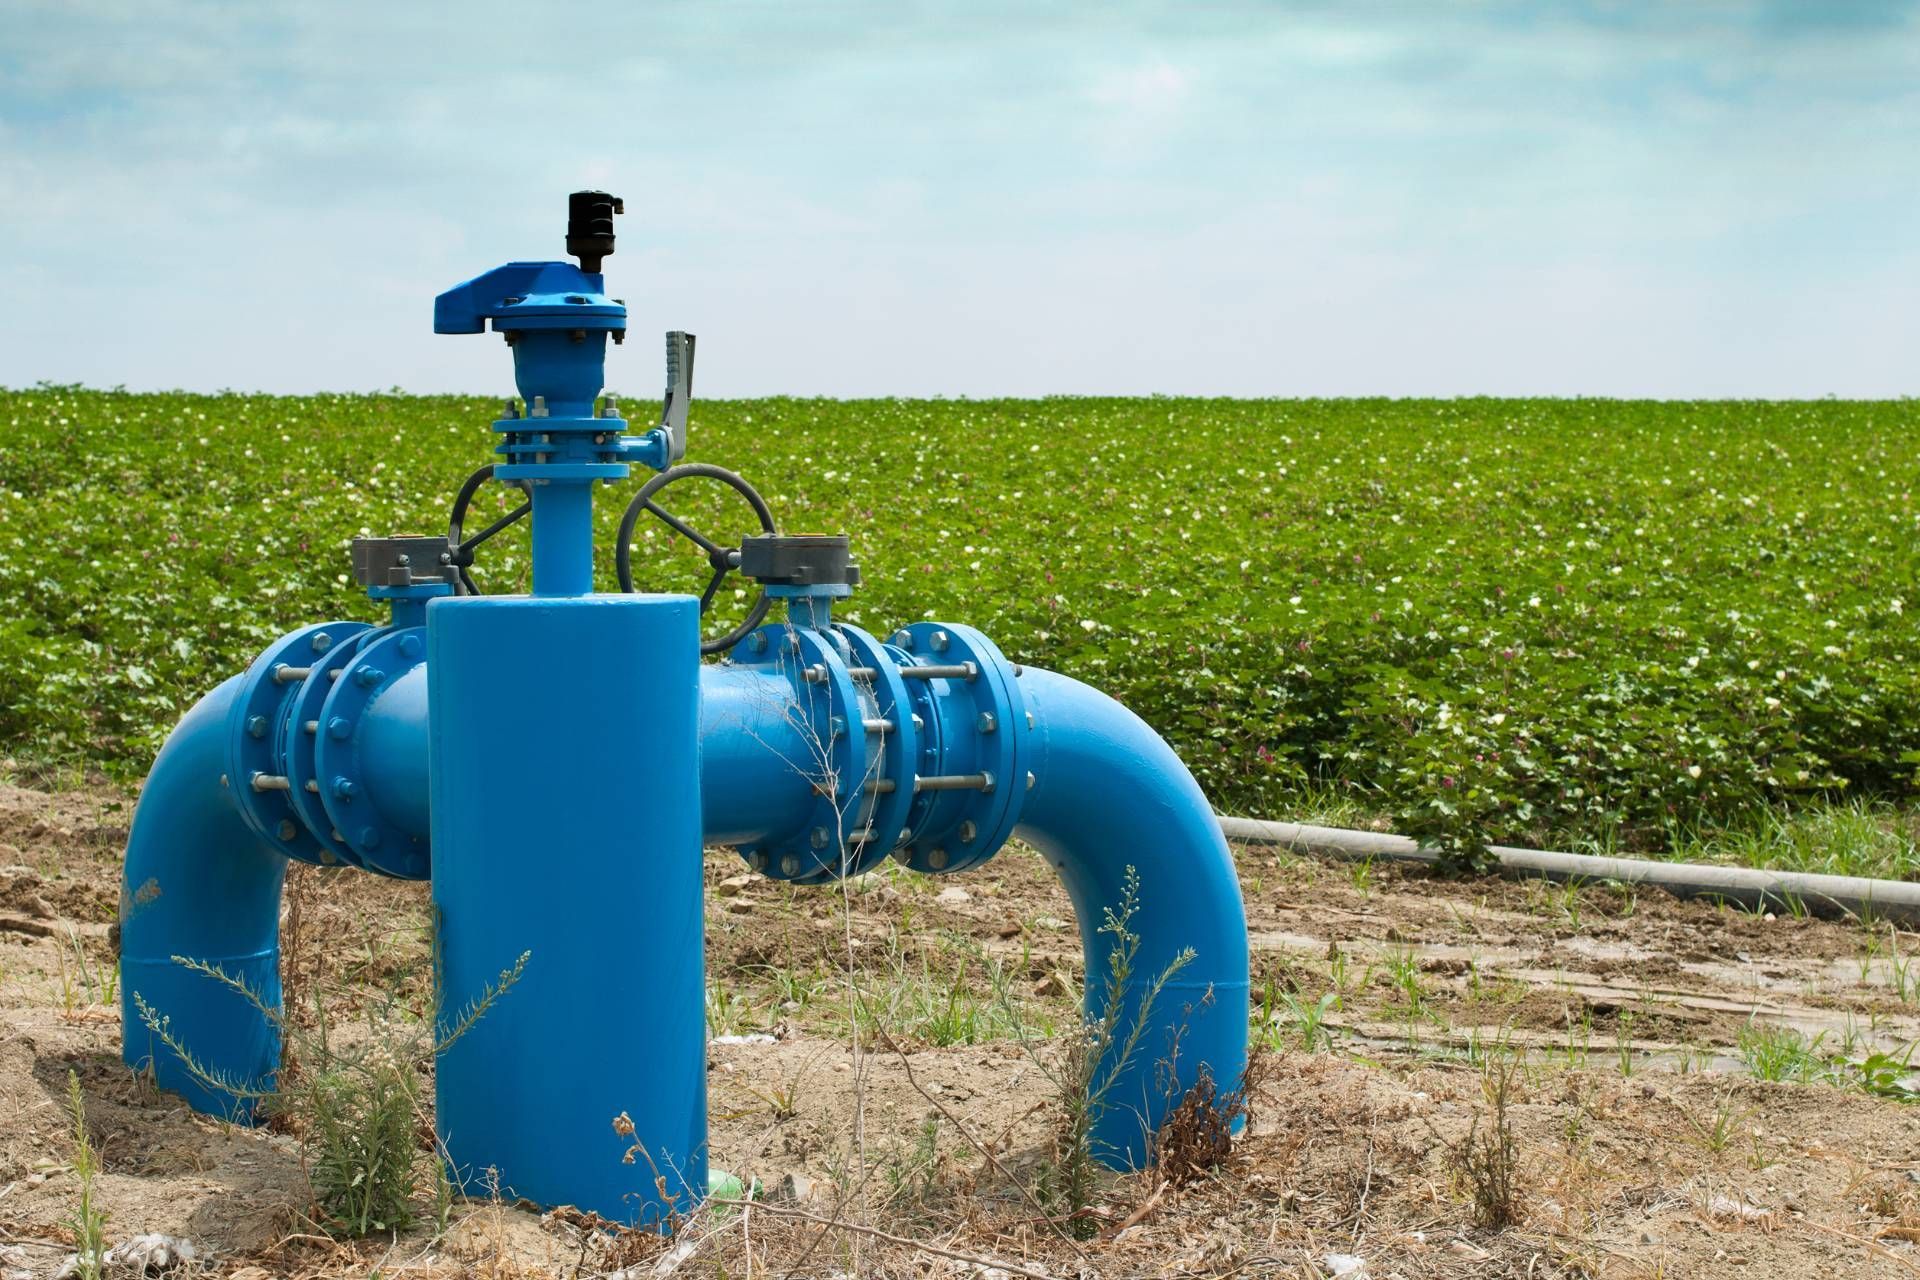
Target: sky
(977, 198)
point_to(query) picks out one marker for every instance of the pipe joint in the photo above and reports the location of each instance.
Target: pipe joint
(899, 747)
(296, 741)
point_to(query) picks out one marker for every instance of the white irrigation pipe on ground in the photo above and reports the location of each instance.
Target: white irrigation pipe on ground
(1821, 895)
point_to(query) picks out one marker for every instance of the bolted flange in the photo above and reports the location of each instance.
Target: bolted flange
(375, 840)
(259, 729)
(303, 729)
(974, 737)
(828, 701)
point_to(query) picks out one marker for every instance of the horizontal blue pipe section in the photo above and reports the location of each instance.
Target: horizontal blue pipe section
(755, 755)
(566, 827)
(199, 884)
(1110, 795)
(393, 735)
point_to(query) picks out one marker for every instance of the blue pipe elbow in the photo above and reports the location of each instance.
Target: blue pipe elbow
(1109, 795)
(201, 885)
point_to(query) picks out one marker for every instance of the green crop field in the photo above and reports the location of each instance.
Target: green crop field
(1565, 621)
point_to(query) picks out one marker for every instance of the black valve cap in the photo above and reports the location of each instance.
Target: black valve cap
(590, 226)
(799, 560)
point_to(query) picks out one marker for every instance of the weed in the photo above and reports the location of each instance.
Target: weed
(912, 1173)
(1887, 1075)
(1579, 1037)
(1718, 1132)
(783, 1100)
(1857, 838)
(88, 1221)
(1488, 1159)
(1310, 1020)
(1777, 1053)
(1103, 1051)
(1197, 1134)
(357, 1109)
(1623, 1041)
(728, 1012)
(1340, 972)
(1403, 971)
(1361, 873)
(1901, 973)
(83, 984)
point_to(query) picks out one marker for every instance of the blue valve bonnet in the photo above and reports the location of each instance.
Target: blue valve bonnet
(555, 316)
(529, 295)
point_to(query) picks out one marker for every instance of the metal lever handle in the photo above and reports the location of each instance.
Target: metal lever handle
(673, 414)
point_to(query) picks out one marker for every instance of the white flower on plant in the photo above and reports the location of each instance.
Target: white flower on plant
(1088, 624)
(1693, 771)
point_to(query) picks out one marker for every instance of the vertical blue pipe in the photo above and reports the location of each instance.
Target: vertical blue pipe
(198, 883)
(564, 746)
(562, 537)
(1109, 794)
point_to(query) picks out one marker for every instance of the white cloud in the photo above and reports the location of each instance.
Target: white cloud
(1153, 88)
(1240, 198)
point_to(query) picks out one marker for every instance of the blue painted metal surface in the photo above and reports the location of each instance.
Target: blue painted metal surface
(556, 762)
(362, 783)
(566, 825)
(200, 883)
(1109, 794)
(752, 754)
(536, 767)
(558, 319)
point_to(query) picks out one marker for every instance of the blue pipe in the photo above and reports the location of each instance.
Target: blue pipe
(753, 756)
(200, 884)
(1109, 795)
(394, 735)
(566, 828)
(562, 538)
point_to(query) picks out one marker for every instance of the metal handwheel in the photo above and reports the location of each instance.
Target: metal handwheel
(460, 549)
(723, 559)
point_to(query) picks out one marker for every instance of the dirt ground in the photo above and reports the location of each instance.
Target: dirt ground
(1632, 1032)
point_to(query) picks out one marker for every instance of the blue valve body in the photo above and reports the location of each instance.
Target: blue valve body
(557, 318)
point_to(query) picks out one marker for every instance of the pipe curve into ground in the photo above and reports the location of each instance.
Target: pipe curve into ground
(1108, 800)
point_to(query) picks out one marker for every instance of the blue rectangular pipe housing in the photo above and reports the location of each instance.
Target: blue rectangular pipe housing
(563, 738)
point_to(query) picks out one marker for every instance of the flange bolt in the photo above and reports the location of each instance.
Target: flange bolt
(287, 830)
(818, 839)
(987, 723)
(343, 788)
(966, 832)
(257, 727)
